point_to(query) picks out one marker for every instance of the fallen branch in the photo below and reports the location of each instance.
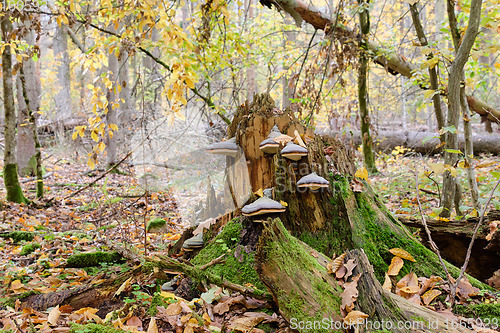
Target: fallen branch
(195, 272)
(27, 180)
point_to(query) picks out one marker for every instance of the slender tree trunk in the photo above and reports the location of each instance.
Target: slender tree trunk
(32, 120)
(364, 19)
(10, 178)
(436, 100)
(25, 153)
(250, 69)
(111, 115)
(462, 48)
(62, 99)
(290, 37)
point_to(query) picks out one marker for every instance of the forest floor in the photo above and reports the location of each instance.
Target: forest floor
(116, 210)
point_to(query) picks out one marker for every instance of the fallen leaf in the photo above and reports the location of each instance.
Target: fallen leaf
(204, 225)
(355, 318)
(402, 254)
(174, 309)
(395, 266)
(350, 293)
(124, 285)
(333, 266)
(350, 265)
(493, 228)
(387, 283)
(54, 315)
(362, 173)
(283, 139)
(356, 185)
(135, 321)
(152, 327)
(430, 295)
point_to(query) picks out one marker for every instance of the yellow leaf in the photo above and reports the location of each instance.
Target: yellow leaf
(437, 168)
(110, 134)
(75, 135)
(362, 173)
(430, 295)
(259, 192)
(283, 203)
(402, 254)
(333, 266)
(124, 285)
(152, 328)
(101, 146)
(113, 127)
(91, 163)
(387, 283)
(396, 264)
(94, 136)
(429, 93)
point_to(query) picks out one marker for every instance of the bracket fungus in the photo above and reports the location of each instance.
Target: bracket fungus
(228, 148)
(293, 151)
(313, 181)
(269, 146)
(193, 243)
(261, 206)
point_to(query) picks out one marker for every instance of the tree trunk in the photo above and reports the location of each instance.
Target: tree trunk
(368, 158)
(111, 114)
(26, 160)
(10, 178)
(456, 75)
(345, 217)
(62, 99)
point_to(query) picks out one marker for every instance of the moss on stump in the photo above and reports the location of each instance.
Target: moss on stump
(82, 260)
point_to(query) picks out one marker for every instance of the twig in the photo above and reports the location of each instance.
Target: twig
(47, 175)
(428, 191)
(218, 260)
(453, 288)
(428, 232)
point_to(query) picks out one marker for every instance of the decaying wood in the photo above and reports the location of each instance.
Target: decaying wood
(386, 141)
(453, 238)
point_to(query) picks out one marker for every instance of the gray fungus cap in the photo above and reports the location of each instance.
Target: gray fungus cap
(228, 147)
(293, 151)
(261, 206)
(313, 181)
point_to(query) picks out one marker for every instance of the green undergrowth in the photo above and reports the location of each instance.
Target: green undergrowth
(92, 259)
(486, 312)
(29, 248)
(239, 265)
(18, 236)
(94, 328)
(295, 260)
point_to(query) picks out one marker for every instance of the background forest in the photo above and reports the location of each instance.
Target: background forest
(110, 104)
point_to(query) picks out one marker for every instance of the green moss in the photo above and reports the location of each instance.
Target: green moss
(18, 236)
(239, 265)
(295, 259)
(487, 312)
(28, 248)
(155, 224)
(11, 182)
(159, 300)
(92, 259)
(94, 328)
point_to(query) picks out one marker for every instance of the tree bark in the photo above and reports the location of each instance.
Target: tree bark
(26, 152)
(368, 158)
(62, 99)
(455, 77)
(10, 178)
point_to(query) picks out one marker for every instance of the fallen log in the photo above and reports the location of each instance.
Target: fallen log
(386, 141)
(453, 238)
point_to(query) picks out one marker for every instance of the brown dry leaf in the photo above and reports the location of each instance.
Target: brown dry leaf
(356, 185)
(466, 290)
(395, 266)
(350, 293)
(283, 139)
(494, 280)
(333, 266)
(66, 308)
(355, 318)
(18, 287)
(88, 314)
(206, 318)
(247, 322)
(135, 321)
(402, 254)
(429, 296)
(415, 298)
(350, 265)
(54, 315)
(174, 309)
(341, 272)
(152, 327)
(493, 228)
(387, 283)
